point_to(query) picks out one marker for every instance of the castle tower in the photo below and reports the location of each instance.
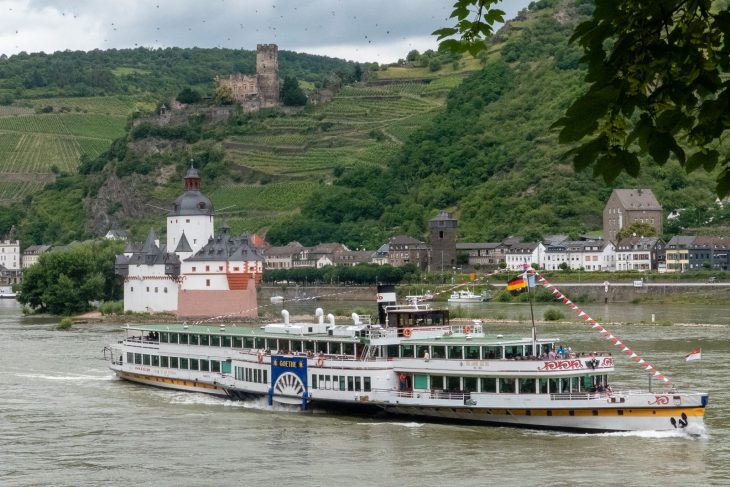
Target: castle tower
(267, 72)
(442, 233)
(191, 215)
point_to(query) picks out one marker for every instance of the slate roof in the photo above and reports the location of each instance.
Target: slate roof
(637, 199)
(227, 247)
(183, 245)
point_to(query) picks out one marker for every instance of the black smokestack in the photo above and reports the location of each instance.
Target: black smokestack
(386, 297)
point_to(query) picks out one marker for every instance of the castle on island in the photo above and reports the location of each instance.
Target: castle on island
(260, 90)
(195, 273)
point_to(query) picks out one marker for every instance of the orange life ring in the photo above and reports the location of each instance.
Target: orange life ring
(467, 329)
(260, 357)
(407, 332)
(320, 361)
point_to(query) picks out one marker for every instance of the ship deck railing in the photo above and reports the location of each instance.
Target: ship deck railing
(431, 394)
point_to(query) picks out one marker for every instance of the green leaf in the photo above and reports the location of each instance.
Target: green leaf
(659, 144)
(445, 32)
(585, 154)
(706, 159)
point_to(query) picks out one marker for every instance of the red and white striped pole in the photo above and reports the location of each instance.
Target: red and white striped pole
(603, 331)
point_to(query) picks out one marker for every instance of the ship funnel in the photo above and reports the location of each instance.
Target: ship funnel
(386, 297)
(356, 318)
(319, 313)
(285, 315)
(331, 319)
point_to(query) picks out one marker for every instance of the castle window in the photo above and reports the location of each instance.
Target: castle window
(207, 268)
(220, 268)
(165, 290)
(187, 220)
(441, 234)
(131, 289)
(148, 289)
(207, 283)
(193, 268)
(156, 290)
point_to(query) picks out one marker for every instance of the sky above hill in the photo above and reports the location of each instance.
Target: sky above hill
(365, 30)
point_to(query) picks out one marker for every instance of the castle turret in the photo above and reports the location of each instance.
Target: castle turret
(191, 214)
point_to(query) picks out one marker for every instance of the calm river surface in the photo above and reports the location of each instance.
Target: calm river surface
(64, 420)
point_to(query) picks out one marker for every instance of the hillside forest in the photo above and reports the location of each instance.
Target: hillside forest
(379, 155)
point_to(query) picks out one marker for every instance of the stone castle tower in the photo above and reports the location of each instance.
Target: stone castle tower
(267, 72)
(442, 234)
(260, 90)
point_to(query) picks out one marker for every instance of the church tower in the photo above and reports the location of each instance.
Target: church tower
(191, 217)
(442, 233)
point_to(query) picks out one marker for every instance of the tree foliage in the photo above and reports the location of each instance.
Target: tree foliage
(636, 229)
(66, 281)
(188, 95)
(659, 84)
(292, 94)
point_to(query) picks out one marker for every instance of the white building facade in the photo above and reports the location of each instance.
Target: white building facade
(196, 274)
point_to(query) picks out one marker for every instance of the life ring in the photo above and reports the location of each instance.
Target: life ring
(467, 329)
(320, 361)
(260, 357)
(407, 332)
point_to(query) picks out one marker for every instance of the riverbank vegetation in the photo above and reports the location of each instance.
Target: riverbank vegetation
(68, 281)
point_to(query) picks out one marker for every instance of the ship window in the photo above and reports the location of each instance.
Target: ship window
(164, 337)
(164, 361)
(173, 362)
(575, 384)
(453, 383)
(204, 365)
(215, 366)
(266, 376)
(554, 386)
(314, 381)
(587, 382)
(183, 363)
(260, 342)
(358, 386)
(348, 348)
(183, 338)
(420, 381)
(350, 383)
(507, 385)
(491, 352)
(406, 351)
(513, 351)
(193, 364)
(130, 357)
(155, 361)
(270, 344)
(438, 351)
(455, 352)
(437, 382)
(542, 385)
(489, 384)
(237, 342)
(226, 341)
(421, 350)
(342, 383)
(194, 339)
(138, 358)
(205, 340)
(546, 347)
(470, 384)
(564, 385)
(145, 359)
(296, 345)
(391, 351)
(215, 341)
(471, 352)
(321, 347)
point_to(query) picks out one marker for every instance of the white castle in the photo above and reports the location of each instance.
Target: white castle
(196, 274)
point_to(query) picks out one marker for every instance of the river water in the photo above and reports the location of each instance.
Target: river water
(66, 421)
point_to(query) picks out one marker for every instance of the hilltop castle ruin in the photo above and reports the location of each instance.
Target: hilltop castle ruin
(261, 90)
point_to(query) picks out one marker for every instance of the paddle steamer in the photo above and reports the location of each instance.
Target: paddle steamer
(414, 362)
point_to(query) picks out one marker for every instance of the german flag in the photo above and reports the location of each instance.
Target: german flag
(517, 285)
